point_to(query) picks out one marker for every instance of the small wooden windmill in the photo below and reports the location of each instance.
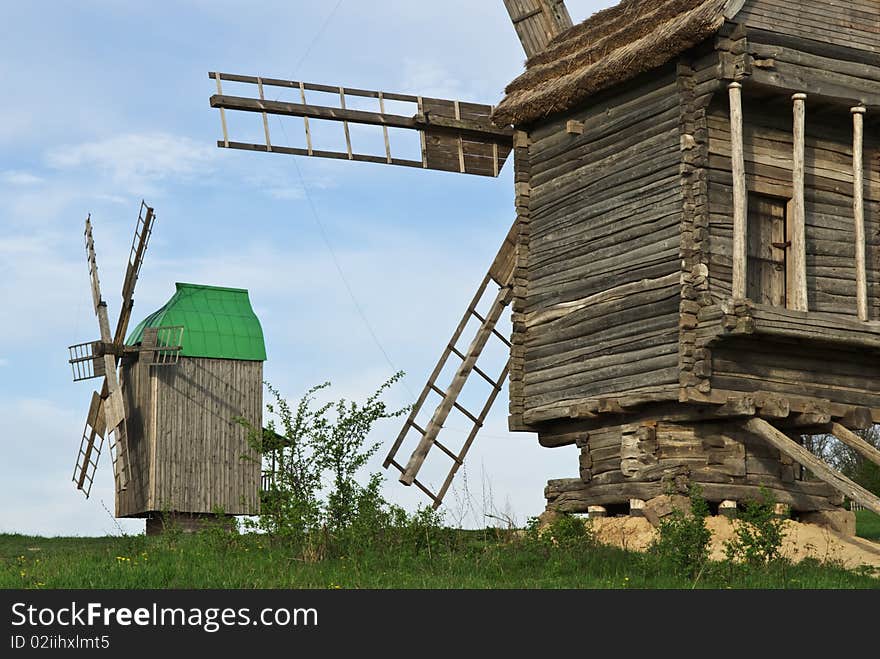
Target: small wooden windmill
(185, 374)
(694, 265)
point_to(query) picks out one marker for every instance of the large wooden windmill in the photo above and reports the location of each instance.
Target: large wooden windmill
(171, 394)
(694, 267)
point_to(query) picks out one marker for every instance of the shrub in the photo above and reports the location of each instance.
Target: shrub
(759, 532)
(682, 546)
(314, 456)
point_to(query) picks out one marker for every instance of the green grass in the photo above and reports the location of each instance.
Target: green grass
(868, 524)
(458, 559)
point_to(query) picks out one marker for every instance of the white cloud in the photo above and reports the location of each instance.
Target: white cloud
(19, 178)
(137, 159)
(3, 362)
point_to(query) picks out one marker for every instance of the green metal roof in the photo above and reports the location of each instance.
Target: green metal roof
(218, 323)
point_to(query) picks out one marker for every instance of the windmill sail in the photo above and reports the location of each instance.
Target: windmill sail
(113, 404)
(91, 445)
(106, 417)
(142, 232)
(501, 273)
(537, 21)
(454, 136)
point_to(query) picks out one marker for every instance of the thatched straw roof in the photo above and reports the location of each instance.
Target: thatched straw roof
(610, 47)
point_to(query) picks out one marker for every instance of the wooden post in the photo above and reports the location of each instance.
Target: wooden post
(222, 114)
(265, 116)
(858, 113)
(797, 290)
(856, 443)
(740, 193)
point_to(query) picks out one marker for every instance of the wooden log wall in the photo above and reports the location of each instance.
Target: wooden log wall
(642, 461)
(199, 447)
(783, 58)
(830, 234)
(786, 367)
(851, 23)
(520, 279)
(698, 81)
(137, 390)
(601, 309)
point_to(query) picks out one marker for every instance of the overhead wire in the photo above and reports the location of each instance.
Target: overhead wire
(326, 238)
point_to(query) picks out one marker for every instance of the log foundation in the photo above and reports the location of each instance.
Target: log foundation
(620, 463)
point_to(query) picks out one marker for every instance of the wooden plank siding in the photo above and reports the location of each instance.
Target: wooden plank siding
(600, 311)
(140, 425)
(197, 465)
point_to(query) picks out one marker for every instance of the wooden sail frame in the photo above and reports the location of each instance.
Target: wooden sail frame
(455, 136)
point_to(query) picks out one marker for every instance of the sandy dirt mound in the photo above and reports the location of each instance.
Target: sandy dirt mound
(801, 540)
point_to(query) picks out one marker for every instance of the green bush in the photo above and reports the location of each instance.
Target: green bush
(316, 502)
(759, 532)
(682, 546)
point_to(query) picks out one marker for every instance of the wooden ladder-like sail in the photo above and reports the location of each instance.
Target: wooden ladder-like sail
(537, 21)
(780, 441)
(106, 416)
(454, 136)
(501, 273)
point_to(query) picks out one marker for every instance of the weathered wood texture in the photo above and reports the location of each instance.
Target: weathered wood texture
(645, 460)
(781, 366)
(740, 192)
(829, 225)
(600, 312)
(819, 467)
(194, 462)
(537, 22)
(137, 390)
(522, 226)
(853, 23)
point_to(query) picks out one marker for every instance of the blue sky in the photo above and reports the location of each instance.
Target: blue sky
(107, 103)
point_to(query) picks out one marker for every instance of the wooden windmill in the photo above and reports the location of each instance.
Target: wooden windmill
(170, 398)
(694, 267)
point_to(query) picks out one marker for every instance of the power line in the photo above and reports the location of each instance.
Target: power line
(317, 36)
(326, 238)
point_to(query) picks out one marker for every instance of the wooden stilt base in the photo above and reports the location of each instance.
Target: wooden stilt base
(158, 523)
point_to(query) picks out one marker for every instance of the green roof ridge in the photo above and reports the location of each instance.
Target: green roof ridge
(218, 322)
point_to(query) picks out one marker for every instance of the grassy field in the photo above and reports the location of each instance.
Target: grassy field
(453, 559)
(868, 524)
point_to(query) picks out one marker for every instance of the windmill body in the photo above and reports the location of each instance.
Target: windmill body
(187, 451)
(693, 267)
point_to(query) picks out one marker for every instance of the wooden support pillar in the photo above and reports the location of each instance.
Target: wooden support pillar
(817, 466)
(858, 113)
(740, 192)
(797, 271)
